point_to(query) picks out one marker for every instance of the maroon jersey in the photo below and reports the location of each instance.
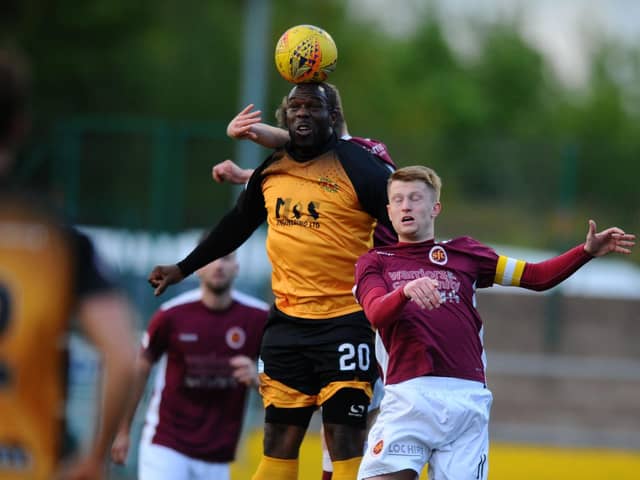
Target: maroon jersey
(446, 341)
(381, 235)
(376, 147)
(197, 406)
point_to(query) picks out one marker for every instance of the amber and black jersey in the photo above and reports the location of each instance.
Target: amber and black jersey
(320, 212)
(44, 269)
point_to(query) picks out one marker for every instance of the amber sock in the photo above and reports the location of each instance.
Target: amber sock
(346, 469)
(271, 468)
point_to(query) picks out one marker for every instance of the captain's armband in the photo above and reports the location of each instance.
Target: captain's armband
(509, 271)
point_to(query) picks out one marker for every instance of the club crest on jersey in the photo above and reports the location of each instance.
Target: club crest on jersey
(377, 448)
(328, 185)
(438, 255)
(236, 337)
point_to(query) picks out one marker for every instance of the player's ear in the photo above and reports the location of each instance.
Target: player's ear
(437, 208)
(333, 115)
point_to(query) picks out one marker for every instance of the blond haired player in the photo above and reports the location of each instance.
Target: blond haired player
(420, 296)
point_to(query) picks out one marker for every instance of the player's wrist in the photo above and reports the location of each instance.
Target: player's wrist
(405, 294)
(586, 250)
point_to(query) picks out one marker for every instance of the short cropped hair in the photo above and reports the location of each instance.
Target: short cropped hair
(14, 90)
(418, 173)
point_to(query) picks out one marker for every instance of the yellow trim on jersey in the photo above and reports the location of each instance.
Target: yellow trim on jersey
(509, 271)
(330, 390)
(279, 395)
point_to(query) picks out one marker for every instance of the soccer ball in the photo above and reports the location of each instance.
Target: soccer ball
(305, 53)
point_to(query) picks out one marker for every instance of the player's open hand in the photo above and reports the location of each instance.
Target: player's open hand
(244, 370)
(612, 239)
(228, 171)
(240, 126)
(120, 447)
(424, 292)
(164, 275)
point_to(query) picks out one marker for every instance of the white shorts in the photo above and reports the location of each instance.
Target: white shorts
(378, 393)
(437, 420)
(156, 462)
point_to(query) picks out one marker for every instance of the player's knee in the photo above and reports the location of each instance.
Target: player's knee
(289, 416)
(348, 406)
(282, 441)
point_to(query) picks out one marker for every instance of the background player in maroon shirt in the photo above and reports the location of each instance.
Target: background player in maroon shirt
(420, 295)
(206, 342)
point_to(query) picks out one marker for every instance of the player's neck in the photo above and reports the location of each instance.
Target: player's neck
(216, 300)
(417, 237)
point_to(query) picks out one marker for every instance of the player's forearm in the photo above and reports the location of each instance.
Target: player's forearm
(231, 232)
(118, 375)
(141, 376)
(107, 320)
(382, 308)
(549, 273)
(269, 136)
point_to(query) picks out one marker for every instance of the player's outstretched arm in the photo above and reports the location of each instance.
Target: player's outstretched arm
(122, 441)
(549, 273)
(247, 125)
(611, 240)
(164, 275)
(106, 319)
(228, 171)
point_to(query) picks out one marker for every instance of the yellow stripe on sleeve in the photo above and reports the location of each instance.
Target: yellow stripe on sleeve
(509, 271)
(517, 273)
(502, 263)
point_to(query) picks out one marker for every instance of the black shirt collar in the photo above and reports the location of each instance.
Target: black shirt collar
(305, 156)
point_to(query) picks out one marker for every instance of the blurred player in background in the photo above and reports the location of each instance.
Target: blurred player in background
(420, 295)
(321, 197)
(247, 125)
(49, 272)
(206, 342)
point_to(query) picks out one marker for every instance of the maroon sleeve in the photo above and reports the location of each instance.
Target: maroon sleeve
(376, 147)
(156, 339)
(382, 308)
(484, 258)
(547, 274)
(380, 305)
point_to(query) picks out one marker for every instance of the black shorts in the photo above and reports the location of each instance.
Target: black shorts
(308, 355)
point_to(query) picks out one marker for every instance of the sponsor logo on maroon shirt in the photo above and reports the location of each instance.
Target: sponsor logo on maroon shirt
(208, 371)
